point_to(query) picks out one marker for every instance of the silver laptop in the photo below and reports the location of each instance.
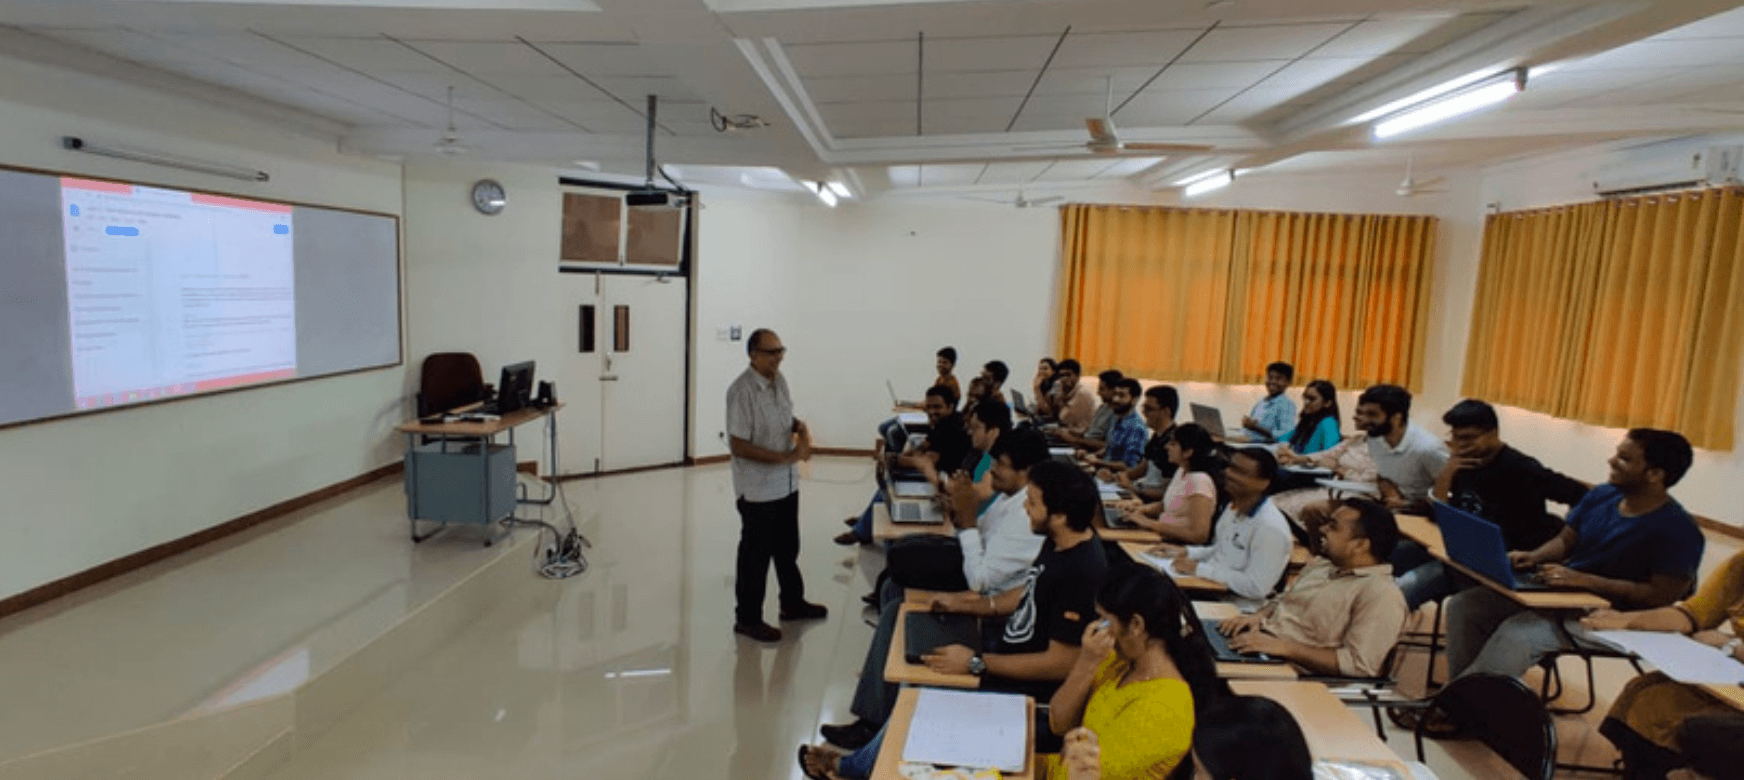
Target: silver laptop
(913, 511)
(1018, 404)
(892, 389)
(1209, 418)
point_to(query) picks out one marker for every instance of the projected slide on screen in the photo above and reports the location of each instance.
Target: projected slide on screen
(174, 292)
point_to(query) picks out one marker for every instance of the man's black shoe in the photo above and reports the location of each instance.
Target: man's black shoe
(804, 611)
(760, 631)
(852, 736)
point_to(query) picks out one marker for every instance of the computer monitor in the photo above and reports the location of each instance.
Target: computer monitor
(515, 391)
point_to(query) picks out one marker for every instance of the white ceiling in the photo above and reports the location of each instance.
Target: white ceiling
(929, 95)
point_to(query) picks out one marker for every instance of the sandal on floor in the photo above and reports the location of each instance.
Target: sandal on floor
(807, 772)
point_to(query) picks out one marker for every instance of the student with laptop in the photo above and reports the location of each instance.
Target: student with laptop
(1627, 540)
(1185, 513)
(1039, 623)
(996, 552)
(1406, 456)
(1125, 439)
(1150, 477)
(1251, 545)
(993, 376)
(1068, 402)
(943, 452)
(1342, 614)
(1494, 481)
(1095, 438)
(1274, 415)
(945, 363)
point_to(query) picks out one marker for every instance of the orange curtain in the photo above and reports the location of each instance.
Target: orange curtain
(1344, 297)
(1215, 295)
(1622, 313)
(1145, 289)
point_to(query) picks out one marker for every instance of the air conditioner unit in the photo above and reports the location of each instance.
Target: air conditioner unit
(1714, 166)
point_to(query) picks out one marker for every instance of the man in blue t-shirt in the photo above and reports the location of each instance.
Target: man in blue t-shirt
(1627, 540)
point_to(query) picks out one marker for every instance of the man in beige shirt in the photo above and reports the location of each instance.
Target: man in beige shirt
(1343, 613)
(1069, 403)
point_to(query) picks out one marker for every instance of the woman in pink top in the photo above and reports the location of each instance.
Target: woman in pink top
(1184, 514)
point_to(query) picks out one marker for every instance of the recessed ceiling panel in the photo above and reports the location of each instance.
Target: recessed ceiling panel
(1013, 172)
(1075, 170)
(1381, 36)
(564, 87)
(852, 59)
(1215, 75)
(836, 89)
(1001, 83)
(974, 54)
(509, 58)
(364, 53)
(1119, 49)
(606, 59)
(1094, 81)
(1268, 42)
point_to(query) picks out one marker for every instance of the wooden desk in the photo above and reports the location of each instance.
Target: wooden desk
(472, 430)
(439, 475)
(1730, 694)
(1332, 730)
(897, 669)
(896, 737)
(1185, 581)
(884, 529)
(1421, 530)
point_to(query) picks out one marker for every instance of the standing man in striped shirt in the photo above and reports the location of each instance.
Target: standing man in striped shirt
(767, 442)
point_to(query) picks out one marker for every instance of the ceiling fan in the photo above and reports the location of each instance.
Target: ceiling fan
(450, 143)
(1020, 201)
(1105, 140)
(1411, 187)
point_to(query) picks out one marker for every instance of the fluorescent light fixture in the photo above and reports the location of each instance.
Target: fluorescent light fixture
(1428, 94)
(166, 160)
(823, 192)
(840, 189)
(1480, 95)
(1215, 180)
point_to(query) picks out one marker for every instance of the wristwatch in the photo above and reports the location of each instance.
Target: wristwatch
(977, 666)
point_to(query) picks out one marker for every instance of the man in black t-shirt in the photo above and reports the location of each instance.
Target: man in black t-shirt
(1494, 481)
(1044, 618)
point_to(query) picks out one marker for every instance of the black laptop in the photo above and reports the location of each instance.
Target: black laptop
(928, 631)
(1221, 650)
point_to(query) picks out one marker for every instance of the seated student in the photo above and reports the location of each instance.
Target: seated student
(1125, 439)
(1274, 415)
(996, 551)
(945, 450)
(1068, 403)
(993, 375)
(970, 490)
(1496, 482)
(1644, 719)
(1137, 680)
(1407, 457)
(1251, 547)
(1042, 384)
(1047, 613)
(1342, 614)
(1184, 514)
(1150, 477)
(1627, 540)
(1317, 428)
(1095, 437)
(1348, 460)
(1250, 738)
(944, 362)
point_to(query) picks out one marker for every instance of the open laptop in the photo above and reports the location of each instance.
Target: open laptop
(894, 401)
(1476, 544)
(1221, 651)
(925, 632)
(1019, 405)
(1209, 418)
(911, 511)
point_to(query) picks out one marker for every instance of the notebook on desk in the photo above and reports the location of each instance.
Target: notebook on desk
(1477, 544)
(925, 632)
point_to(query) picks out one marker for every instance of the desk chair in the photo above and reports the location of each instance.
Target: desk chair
(1502, 713)
(448, 380)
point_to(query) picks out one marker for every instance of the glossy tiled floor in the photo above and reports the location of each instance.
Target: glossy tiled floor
(629, 670)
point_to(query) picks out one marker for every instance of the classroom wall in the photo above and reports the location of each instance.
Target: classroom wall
(86, 490)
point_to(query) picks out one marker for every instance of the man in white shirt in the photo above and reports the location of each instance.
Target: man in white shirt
(1407, 457)
(1251, 545)
(998, 549)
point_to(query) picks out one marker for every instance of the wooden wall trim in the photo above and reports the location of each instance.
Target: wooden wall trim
(129, 563)
(709, 460)
(1723, 529)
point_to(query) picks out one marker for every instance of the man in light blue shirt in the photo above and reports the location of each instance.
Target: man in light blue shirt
(1274, 415)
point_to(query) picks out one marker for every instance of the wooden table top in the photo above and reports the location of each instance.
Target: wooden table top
(1333, 730)
(896, 737)
(1423, 531)
(1186, 581)
(507, 421)
(1730, 694)
(897, 669)
(884, 529)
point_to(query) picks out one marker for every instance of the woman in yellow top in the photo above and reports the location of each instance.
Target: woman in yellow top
(1643, 721)
(1139, 672)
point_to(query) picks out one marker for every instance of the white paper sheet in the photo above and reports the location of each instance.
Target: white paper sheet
(913, 418)
(968, 728)
(1681, 658)
(1158, 562)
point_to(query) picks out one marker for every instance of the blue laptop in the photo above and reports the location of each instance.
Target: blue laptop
(1476, 544)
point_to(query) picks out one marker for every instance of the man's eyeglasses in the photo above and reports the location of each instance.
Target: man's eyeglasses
(778, 351)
